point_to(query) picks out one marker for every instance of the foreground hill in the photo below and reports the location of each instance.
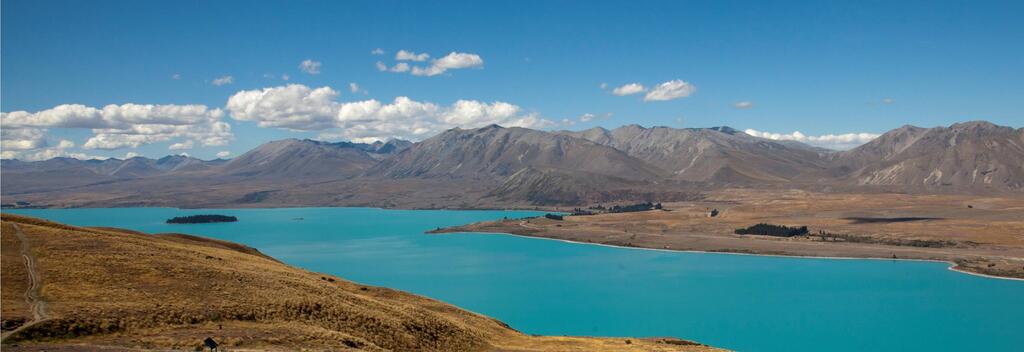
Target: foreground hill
(110, 287)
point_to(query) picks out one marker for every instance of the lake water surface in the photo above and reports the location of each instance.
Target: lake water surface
(747, 303)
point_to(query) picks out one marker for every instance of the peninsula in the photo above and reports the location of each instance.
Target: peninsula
(977, 234)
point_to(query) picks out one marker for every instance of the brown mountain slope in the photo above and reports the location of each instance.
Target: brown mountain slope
(970, 155)
(295, 158)
(109, 287)
(720, 154)
(494, 152)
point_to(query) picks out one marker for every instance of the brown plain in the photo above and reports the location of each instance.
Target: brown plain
(122, 290)
(979, 234)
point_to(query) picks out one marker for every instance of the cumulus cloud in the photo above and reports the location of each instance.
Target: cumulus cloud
(743, 105)
(181, 145)
(114, 126)
(223, 154)
(37, 149)
(629, 89)
(452, 61)
(223, 80)
(831, 141)
(400, 67)
(670, 90)
(20, 139)
(603, 86)
(377, 51)
(310, 66)
(300, 108)
(130, 155)
(403, 55)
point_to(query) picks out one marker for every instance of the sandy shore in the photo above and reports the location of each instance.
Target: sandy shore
(940, 231)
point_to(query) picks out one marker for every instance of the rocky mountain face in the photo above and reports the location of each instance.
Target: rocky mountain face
(523, 166)
(308, 159)
(61, 173)
(973, 154)
(495, 152)
(720, 154)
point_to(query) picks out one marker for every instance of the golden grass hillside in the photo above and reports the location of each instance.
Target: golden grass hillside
(128, 290)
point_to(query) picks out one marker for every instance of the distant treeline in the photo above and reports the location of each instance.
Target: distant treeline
(624, 208)
(201, 219)
(773, 230)
(553, 216)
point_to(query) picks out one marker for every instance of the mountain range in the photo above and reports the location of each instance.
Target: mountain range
(495, 166)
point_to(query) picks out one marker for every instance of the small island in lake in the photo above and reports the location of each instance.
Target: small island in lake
(201, 219)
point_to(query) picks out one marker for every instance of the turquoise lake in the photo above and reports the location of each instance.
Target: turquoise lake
(746, 303)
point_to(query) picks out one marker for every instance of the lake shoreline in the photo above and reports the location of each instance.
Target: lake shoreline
(483, 228)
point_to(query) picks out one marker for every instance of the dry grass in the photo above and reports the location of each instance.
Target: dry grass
(987, 237)
(109, 287)
(15, 280)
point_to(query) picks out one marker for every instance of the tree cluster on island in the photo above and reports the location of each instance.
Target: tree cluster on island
(201, 219)
(773, 230)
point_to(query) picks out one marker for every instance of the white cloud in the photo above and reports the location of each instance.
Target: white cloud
(354, 88)
(629, 89)
(301, 108)
(743, 105)
(603, 86)
(888, 101)
(223, 80)
(400, 67)
(452, 61)
(20, 139)
(310, 66)
(130, 155)
(285, 77)
(377, 51)
(118, 126)
(39, 150)
(831, 141)
(403, 55)
(670, 90)
(181, 145)
(223, 154)
(587, 117)
(176, 76)
(568, 122)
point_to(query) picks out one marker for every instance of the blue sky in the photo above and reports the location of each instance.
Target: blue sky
(815, 67)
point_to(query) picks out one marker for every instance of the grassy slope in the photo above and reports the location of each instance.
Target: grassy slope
(115, 287)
